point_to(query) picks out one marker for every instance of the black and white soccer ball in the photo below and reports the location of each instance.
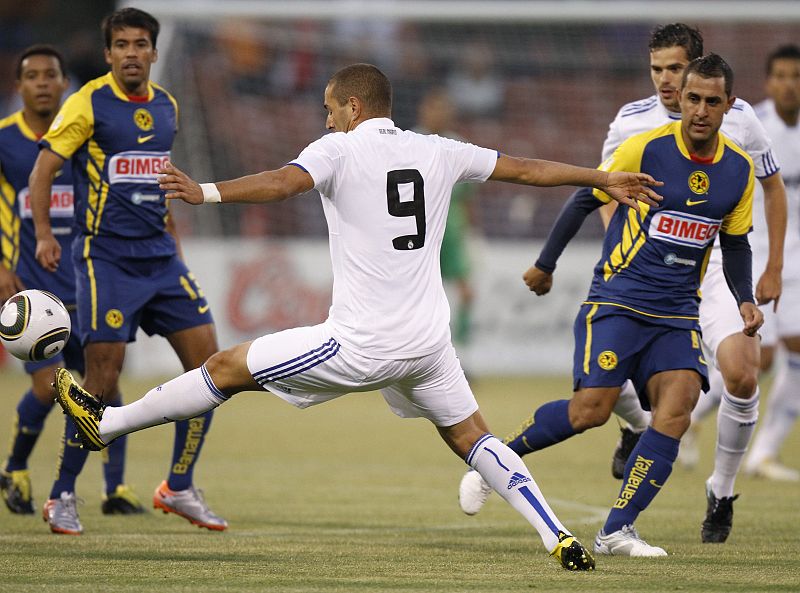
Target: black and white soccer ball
(34, 325)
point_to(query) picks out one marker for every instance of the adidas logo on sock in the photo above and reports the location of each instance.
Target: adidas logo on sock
(516, 480)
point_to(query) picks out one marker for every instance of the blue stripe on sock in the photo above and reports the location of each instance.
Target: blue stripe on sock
(534, 502)
(210, 384)
(308, 363)
(500, 463)
(477, 444)
(310, 354)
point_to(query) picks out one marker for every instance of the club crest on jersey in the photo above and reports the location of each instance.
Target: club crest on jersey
(136, 166)
(143, 119)
(683, 229)
(607, 360)
(699, 183)
(114, 318)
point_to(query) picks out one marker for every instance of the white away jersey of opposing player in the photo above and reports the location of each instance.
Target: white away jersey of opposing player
(385, 193)
(740, 125)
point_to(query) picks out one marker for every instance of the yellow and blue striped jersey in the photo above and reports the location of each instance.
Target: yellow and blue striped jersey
(654, 260)
(117, 145)
(18, 151)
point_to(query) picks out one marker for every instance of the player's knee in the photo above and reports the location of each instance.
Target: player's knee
(228, 369)
(586, 413)
(742, 383)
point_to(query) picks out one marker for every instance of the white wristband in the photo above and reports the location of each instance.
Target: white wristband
(210, 193)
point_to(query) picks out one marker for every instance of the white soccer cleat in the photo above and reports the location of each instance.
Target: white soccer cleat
(625, 542)
(473, 492)
(771, 469)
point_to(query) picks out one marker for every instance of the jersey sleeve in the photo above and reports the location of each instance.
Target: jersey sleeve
(470, 162)
(72, 127)
(614, 138)
(627, 157)
(759, 145)
(321, 160)
(740, 220)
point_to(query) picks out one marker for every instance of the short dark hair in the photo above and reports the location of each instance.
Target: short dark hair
(784, 52)
(365, 82)
(129, 17)
(40, 50)
(678, 35)
(710, 66)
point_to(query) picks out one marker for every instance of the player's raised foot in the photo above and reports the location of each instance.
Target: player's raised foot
(62, 514)
(84, 409)
(122, 501)
(15, 488)
(719, 518)
(689, 451)
(625, 542)
(628, 439)
(473, 492)
(189, 504)
(772, 469)
(571, 553)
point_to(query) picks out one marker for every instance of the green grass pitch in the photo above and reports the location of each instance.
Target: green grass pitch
(347, 497)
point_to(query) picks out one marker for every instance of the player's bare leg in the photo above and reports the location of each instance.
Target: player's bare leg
(505, 472)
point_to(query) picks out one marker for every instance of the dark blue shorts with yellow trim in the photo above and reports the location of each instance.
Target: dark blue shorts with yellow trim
(71, 357)
(613, 345)
(159, 295)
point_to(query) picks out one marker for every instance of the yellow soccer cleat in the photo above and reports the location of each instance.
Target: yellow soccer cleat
(85, 410)
(571, 553)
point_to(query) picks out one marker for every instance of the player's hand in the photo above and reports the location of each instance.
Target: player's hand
(10, 284)
(753, 318)
(178, 185)
(632, 188)
(48, 253)
(769, 288)
(538, 281)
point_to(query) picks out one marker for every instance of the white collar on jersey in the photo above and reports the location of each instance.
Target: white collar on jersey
(375, 122)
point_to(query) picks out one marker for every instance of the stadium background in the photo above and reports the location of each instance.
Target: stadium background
(544, 80)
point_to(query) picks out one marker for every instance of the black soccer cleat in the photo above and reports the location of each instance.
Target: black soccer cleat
(15, 488)
(85, 409)
(122, 501)
(627, 442)
(571, 554)
(719, 518)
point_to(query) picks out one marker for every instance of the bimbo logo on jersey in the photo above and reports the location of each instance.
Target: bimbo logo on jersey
(62, 202)
(136, 166)
(684, 229)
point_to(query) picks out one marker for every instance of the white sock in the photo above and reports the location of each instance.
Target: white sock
(505, 472)
(783, 407)
(709, 400)
(184, 397)
(736, 421)
(630, 409)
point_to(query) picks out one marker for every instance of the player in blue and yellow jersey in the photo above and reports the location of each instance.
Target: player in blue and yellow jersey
(641, 319)
(118, 131)
(41, 82)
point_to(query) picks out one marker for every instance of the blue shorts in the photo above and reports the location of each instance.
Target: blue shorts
(71, 357)
(115, 298)
(613, 345)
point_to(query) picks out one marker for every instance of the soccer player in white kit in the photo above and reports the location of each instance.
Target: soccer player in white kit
(385, 194)
(672, 47)
(780, 116)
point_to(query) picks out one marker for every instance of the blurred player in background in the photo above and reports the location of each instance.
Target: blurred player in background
(780, 116)
(436, 113)
(118, 129)
(385, 194)
(734, 354)
(41, 82)
(641, 319)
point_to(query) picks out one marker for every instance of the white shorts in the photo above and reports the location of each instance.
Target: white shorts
(308, 366)
(719, 313)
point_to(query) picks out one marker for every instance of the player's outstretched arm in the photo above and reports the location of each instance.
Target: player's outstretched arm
(769, 285)
(626, 188)
(48, 249)
(268, 186)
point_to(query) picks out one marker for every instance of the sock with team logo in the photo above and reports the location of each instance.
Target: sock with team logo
(648, 468)
(548, 425)
(629, 408)
(189, 438)
(183, 397)
(71, 459)
(736, 421)
(710, 399)
(114, 457)
(31, 414)
(506, 473)
(783, 408)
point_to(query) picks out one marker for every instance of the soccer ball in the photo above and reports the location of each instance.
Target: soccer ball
(34, 325)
